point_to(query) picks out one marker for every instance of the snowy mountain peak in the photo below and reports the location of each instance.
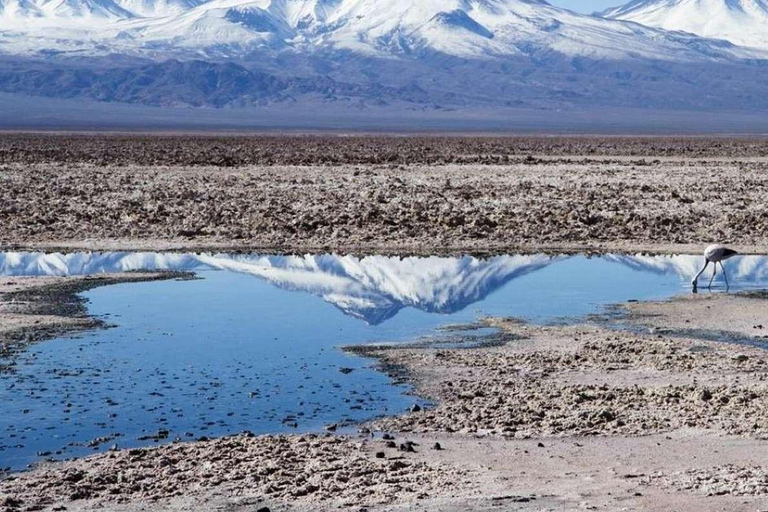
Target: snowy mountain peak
(742, 22)
(431, 54)
(91, 11)
(474, 29)
(63, 9)
(373, 289)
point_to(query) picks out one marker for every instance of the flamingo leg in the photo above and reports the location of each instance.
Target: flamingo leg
(714, 273)
(727, 286)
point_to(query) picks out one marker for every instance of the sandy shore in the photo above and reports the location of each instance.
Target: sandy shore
(558, 418)
(402, 195)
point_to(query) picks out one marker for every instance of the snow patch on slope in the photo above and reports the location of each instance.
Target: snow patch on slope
(742, 22)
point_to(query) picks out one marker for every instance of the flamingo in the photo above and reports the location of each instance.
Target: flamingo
(714, 254)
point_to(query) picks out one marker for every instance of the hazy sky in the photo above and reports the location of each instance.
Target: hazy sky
(587, 5)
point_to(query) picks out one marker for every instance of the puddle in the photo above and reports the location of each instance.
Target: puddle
(254, 344)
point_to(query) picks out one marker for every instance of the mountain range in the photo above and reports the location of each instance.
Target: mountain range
(411, 55)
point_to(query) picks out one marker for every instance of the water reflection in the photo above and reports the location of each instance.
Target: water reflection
(232, 352)
(373, 288)
(744, 271)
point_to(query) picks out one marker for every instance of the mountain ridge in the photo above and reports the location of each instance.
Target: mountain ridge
(373, 288)
(478, 29)
(429, 54)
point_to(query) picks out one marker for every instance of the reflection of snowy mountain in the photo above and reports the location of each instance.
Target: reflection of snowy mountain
(373, 288)
(741, 269)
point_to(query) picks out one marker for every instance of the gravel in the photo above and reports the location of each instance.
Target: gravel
(310, 468)
(238, 151)
(603, 383)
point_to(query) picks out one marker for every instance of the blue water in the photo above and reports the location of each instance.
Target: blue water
(256, 346)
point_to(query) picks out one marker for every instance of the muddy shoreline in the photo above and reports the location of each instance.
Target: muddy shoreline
(401, 251)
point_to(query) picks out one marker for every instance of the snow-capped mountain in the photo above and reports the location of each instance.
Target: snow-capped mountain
(84, 13)
(30, 11)
(463, 28)
(460, 28)
(372, 288)
(742, 22)
(404, 54)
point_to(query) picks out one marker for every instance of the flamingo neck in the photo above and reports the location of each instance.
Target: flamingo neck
(696, 279)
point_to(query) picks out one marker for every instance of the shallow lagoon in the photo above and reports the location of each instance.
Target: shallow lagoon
(254, 344)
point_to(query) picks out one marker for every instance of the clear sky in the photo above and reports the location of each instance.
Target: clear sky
(587, 6)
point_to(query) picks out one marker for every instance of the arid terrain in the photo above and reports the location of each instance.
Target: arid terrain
(658, 406)
(391, 194)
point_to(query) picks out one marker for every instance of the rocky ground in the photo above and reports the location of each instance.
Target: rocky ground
(251, 470)
(391, 194)
(591, 381)
(578, 417)
(241, 150)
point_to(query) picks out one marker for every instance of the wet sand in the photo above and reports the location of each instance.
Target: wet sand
(382, 194)
(564, 418)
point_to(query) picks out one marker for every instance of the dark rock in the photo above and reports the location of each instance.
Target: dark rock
(11, 502)
(79, 495)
